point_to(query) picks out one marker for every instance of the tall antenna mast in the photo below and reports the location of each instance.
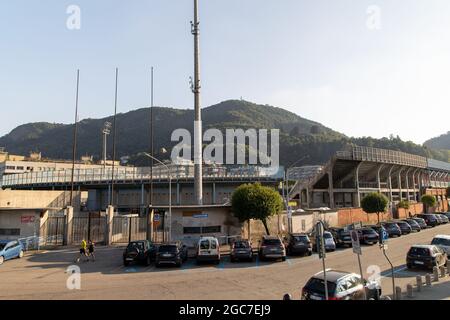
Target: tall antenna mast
(198, 178)
(74, 147)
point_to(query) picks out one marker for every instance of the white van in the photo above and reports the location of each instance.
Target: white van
(208, 249)
(443, 242)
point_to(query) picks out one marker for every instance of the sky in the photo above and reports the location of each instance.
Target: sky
(363, 68)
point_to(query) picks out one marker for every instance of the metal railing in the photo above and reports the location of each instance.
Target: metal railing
(383, 156)
(135, 174)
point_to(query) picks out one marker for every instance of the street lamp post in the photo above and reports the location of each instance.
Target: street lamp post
(170, 190)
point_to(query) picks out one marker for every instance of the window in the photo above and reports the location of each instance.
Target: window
(10, 168)
(213, 229)
(9, 232)
(213, 244)
(19, 168)
(192, 230)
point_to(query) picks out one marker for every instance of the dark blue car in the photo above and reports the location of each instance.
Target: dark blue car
(10, 250)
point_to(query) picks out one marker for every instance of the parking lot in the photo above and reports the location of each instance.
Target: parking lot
(43, 275)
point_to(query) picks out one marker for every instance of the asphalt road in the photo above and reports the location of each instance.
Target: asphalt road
(44, 275)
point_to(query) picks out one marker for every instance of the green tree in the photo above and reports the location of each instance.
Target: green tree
(429, 201)
(253, 201)
(404, 204)
(374, 203)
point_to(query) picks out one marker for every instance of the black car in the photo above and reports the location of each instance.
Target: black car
(430, 219)
(427, 256)
(447, 214)
(367, 236)
(142, 251)
(415, 227)
(378, 228)
(341, 237)
(297, 243)
(241, 250)
(404, 227)
(171, 254)
(392, 229)
(341, 286)
(421, 222)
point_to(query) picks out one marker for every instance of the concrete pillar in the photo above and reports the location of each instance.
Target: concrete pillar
(442, 271)
(214, 193)
(358, 194)
(68, 227)
(150, 215)
(331, 188)
(410, 291)
(308, 198)
(407, 185)
(378, 177)
(435, 274)
(419, 283)
(178, 194)
(109, 225)
(428, 280)
(400, 184)
(398, 293)
(390, 184)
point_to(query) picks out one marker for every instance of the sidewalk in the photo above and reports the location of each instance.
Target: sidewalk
(438, 291)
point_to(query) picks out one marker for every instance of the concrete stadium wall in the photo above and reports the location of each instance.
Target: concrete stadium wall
(414, 209)
(31, 199)
(14, 220)
(351, 215)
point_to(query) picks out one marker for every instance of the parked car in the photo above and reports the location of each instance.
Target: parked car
(392, 229)
(208, 250)
(443, 242)
(142, 251)
(415, 227)
(171, 254)
(10, 250)
(341, 237)
(404, 227)
(241, 250)
(341, 286)
(447, 214)
(427, 256)
(442, 217)
(421, 222)
(330, 245)
(378, 229)
(430, 219)
(297, 243)
(271, 247)
(367, 236)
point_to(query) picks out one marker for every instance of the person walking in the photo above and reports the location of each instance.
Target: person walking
(83, 246)
(91, 249)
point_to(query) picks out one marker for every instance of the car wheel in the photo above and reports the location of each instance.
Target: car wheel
(20, 254)
(409, 266)
(148, 261)
(179, 265)
(283, 259)
(1, 260)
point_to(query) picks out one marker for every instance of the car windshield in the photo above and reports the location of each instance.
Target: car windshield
(342, 232)
(272, 242)
(368, 231)
(2, 246)
(413, 222)
(318, 286)
(138, 245)
(301, 239)
(327, 235)
(441, 242)
(204, 244)
(419, 251)
(167, 249)
(242, 245)
(391, 225)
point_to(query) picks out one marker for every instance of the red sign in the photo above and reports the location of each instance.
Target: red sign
(27, 219)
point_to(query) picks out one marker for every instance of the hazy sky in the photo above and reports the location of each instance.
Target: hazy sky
(359, 69)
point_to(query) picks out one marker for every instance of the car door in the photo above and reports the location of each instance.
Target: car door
(9, 251)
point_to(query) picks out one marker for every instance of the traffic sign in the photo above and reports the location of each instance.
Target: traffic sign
(355, 242)
(156, 217)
